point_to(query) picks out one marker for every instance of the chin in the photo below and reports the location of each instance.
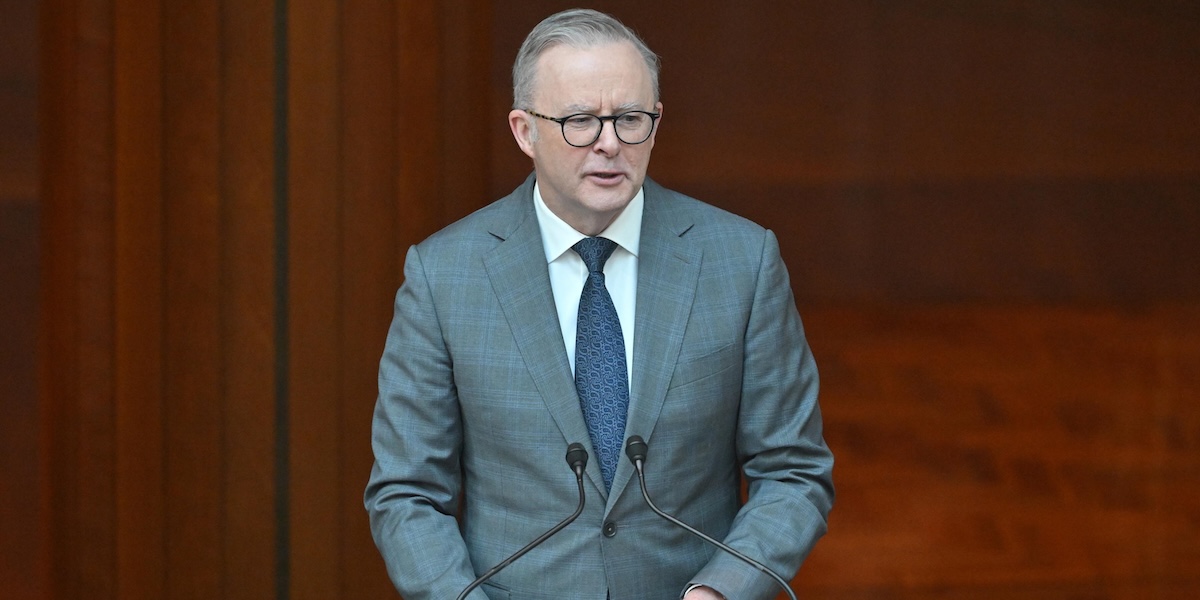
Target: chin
(612, 201)
(609, 199)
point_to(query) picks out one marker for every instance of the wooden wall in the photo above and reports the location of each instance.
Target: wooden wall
(931, 151)
(222, 238)
(216, 199)
(21, 476)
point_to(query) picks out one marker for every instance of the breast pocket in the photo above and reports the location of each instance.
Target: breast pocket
(691, 369)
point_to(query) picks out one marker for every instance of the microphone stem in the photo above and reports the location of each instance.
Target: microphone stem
(531, 545)
(750, 561)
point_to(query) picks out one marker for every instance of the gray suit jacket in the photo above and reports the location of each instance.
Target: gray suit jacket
(477, 405)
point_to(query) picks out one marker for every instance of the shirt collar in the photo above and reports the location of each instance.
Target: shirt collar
(558, 236)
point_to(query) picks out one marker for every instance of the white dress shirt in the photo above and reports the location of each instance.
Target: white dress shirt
(568, 273)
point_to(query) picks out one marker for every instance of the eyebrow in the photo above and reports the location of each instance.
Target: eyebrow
(589, 109)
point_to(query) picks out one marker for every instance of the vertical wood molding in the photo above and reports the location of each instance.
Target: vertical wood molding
(374, 165)
(77, 321)
(247, 298)
(314, 281)
(140, 302)
(161, 302)
(464, 104)
(157, 310)
(418, 72)
(192, 205)
(224, 219)
(370, 268)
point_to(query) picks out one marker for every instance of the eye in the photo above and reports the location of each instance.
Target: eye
(580, 121)
(632, 119)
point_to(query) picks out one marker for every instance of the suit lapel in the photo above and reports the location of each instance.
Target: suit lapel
(668, 272)
(519, 277)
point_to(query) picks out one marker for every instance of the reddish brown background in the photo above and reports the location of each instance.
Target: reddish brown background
(203, 209)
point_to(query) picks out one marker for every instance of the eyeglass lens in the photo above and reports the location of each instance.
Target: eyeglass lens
(631, 128)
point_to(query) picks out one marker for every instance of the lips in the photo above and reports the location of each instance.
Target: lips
(606, 177)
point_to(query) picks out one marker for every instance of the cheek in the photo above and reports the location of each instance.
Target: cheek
(641, 155)
(567, 164)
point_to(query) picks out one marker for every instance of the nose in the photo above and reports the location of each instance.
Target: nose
(608, 142)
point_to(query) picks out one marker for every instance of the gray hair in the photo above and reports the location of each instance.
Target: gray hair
(577, 28)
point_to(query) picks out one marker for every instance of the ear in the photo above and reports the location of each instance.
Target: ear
(522, 130)
(658, 108)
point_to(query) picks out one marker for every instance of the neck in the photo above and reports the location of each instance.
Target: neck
(593, 225)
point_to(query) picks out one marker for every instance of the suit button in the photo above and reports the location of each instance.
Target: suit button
(610, 529)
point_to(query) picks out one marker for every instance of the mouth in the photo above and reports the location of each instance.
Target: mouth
(606, 177)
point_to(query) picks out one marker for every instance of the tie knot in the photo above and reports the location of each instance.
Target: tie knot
(595, 252)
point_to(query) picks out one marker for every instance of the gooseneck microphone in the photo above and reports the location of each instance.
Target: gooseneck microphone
(635, 449)
(577, 458)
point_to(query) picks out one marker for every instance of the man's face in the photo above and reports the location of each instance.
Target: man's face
(587, 187)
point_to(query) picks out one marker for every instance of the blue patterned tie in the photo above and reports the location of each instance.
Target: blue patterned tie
(600, 372)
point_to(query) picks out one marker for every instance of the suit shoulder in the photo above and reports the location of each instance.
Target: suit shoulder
(483, 229)
(701, 219)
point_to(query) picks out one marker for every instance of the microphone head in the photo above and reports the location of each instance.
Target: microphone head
(577, 457)
(635, 449)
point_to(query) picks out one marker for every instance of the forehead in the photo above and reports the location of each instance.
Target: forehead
(593, 76)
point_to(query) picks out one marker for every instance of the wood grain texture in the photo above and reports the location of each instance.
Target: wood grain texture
(315, 164)
(463, 106)
(418, 72)
(157, 294)
(371, 209)
(928, 151)
(162, 310)
(1096, 241)
(18, 96)
(23, 566)
(192, 332)
(140, 302)
(22, 514)
(77, 316)
(1016, 183)
(1010, 452)
(246, 300)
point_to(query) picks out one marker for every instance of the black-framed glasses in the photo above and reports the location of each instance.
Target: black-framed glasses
(582, 129)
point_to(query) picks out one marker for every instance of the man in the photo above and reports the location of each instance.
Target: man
(521, 329)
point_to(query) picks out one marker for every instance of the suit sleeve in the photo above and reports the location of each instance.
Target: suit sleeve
(413, 493)
(786, 463)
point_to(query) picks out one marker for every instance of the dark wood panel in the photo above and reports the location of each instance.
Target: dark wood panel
(22, 564)
(418, 112)
(927, 151)
(920, 90)
(1025, 241)
(78, 298)
(315, 236)
(370, 267)
(58, 273)
(18, 96)
(247, 299)
(466, 61)
(1010, 452)
(828, 121)
(928, 90)
(140, 308)
(158, 303)
(95, 299)
(183, 244)
(194, 417)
